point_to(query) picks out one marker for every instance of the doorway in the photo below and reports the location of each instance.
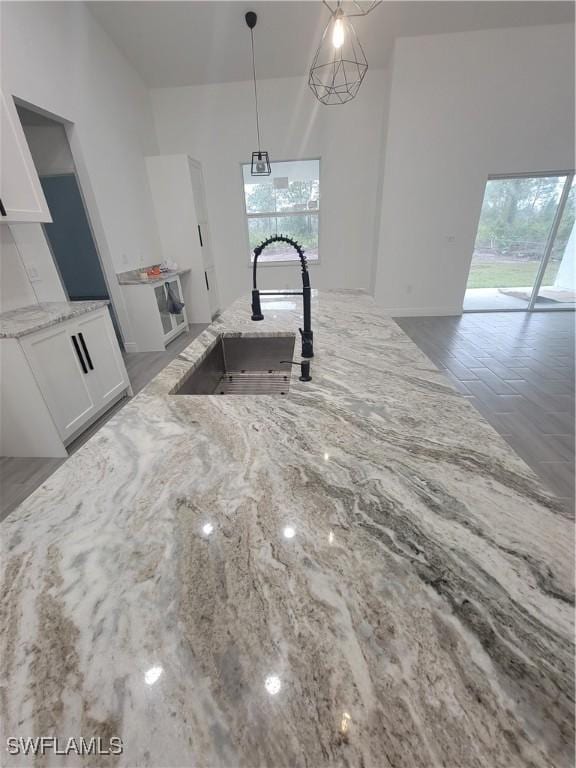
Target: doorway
(69, 236)
(525, 248)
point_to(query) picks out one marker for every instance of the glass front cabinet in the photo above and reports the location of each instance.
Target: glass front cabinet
(152, 308)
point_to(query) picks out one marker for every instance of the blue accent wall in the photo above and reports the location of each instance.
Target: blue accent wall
(71, 239)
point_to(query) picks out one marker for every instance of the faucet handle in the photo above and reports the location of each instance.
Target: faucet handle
(307, 343)
(256, 308)
(304, 368)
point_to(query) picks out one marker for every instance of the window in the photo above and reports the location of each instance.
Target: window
(522, 257)
(285, 203)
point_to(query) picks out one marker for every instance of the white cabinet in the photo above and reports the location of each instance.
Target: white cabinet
(21, 195)
(57, 367)
(107, 378)
(59, 380)
(172, 322)
(179, 198)
(154, 326)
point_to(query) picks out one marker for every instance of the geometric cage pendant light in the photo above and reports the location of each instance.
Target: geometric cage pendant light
(339, 65)
(260, 159)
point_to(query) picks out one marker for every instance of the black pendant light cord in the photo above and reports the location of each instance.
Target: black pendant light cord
(255, 89)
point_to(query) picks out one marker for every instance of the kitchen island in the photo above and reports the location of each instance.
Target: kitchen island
(361, 572)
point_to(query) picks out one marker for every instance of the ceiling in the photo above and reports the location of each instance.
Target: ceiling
(191, 43)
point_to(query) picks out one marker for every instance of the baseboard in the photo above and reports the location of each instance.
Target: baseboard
(423, 311)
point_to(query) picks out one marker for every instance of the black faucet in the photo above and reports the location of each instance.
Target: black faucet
(306, 332)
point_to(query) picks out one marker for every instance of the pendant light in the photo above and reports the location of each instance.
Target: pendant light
(340, 64)
(260, 159)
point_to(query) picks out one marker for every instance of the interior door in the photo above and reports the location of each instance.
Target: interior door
(55, 358)
(21, 195)
(107, 376)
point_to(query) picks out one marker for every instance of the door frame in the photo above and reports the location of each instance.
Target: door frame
(530, 307)
(94, 222)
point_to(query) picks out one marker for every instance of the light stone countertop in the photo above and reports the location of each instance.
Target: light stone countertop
(133, 277)
(25, 320)
(359, 573)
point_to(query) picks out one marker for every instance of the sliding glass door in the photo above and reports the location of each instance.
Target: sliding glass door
(524, 250)
(557, 287)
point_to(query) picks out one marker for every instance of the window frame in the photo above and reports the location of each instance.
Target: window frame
(248, 216)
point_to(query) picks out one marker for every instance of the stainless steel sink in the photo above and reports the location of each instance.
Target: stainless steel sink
(242, 365)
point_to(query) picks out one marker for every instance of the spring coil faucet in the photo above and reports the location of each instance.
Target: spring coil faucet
(306, 332)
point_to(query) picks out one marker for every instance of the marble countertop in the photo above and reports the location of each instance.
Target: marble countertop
(25, 320)
(359, 573)
(133, 277)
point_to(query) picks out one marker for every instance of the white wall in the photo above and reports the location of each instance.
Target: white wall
(57, 57)
(215, 125)
(463, 106)
(50, 150)
(37, 259)
(15, 288)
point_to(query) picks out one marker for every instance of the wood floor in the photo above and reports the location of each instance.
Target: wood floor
(517, 369)
(20, 477)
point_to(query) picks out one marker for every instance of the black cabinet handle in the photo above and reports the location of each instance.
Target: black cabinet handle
(77, 348)
(206, 278)
(85, 349)
(2, 209)
(200, 236)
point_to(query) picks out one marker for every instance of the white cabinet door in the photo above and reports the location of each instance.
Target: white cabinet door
(201, 213)
(212, 287)
(20, 191)
(162, 304)
(176, 288)
(107, 376)
(55, 358)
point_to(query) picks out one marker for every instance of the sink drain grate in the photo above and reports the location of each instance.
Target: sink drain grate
(253, 383)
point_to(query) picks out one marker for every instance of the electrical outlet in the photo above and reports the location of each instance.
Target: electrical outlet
(33, 274)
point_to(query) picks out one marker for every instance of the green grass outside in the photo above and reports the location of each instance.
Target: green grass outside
(509, 275)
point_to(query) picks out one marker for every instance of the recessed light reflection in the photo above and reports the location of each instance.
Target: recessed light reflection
(207, 529)
(152, 675)
(326, 456)
(289, 532)
(331, 537)
(345, 723)
(272, 684)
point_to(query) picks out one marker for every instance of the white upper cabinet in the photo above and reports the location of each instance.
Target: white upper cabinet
(20, 191)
